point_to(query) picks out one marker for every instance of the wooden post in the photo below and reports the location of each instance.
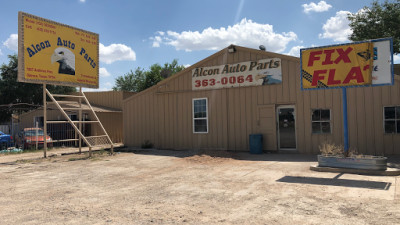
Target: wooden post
(80, 119)
(36, 134)
(44, 122)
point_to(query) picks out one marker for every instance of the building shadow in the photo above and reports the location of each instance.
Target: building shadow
(281, 156)
(266, 156)
(377, 185)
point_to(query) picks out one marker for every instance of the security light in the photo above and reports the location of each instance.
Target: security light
(231, 49)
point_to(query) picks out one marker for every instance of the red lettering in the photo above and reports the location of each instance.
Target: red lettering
(316, 77)
(313, 57)
(249, 78)
(212, 82)
(232, 80)
(354, 74)
(240, 79)
(331, 78)
(224, 80)
(328, 59)
(343, 55)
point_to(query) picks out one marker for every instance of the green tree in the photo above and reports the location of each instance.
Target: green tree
(153, 76)
(170, 69)
(140, 79)
(131, 81)
(377, 21)
(13, 92)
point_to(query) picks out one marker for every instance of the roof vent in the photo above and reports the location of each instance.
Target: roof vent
(261, 47)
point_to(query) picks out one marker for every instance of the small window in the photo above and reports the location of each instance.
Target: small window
(321, 121)
(392, 119)
(200, 115)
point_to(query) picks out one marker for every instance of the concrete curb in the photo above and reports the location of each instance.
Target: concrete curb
(388, 172)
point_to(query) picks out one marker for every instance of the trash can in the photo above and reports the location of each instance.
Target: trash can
(255, 143)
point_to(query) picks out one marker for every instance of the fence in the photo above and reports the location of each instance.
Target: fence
(33, 138)
(5, 129)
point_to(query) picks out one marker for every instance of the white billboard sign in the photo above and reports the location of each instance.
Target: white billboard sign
(251, 73)
(382, 73)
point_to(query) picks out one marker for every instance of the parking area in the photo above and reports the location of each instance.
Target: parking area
(193, 187)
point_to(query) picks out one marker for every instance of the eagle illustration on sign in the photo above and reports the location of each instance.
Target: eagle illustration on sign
(66, 59)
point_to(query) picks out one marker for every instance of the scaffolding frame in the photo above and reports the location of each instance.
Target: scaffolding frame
(91, 141)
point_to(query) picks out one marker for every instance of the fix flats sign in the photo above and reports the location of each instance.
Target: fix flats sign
(355, 64)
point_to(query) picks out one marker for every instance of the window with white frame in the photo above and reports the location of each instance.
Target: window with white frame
(200, 115)
(321, 121)
(392, 119)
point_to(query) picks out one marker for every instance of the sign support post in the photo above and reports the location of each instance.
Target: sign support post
(345, 122)
(44, 122)
(80, 120)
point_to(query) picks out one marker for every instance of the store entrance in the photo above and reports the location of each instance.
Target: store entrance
(286, 127)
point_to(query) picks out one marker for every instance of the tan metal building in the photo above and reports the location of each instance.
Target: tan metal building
(174, 115)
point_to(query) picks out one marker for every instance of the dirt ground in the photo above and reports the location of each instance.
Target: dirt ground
(189, 187)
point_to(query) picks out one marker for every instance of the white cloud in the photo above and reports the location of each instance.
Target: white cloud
(245, 33)
(103, 72)
(322, 6)
(1, 53)
(396, 59)
(337, 27)
(295, 51)
(116, 52)
(156, 41)
(12, 42)
(187, 65)
(83, 1)
(108, 84)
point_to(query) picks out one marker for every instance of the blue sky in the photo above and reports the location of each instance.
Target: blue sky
(140, 33)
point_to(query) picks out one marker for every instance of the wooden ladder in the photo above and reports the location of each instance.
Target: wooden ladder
(103, 140)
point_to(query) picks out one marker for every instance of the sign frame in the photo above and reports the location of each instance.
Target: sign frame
(22, 59)
(351, 86)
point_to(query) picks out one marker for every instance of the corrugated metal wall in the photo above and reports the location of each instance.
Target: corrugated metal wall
(112, 123)
(365, 116)
(163, 113)
(111, 99)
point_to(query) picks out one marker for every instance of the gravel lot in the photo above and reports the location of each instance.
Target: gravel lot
(189, 187)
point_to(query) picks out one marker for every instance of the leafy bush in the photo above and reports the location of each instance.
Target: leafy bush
(330, 149)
